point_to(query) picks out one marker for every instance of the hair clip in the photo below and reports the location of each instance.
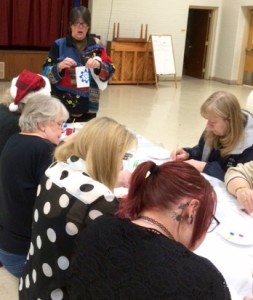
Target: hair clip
(147, 175)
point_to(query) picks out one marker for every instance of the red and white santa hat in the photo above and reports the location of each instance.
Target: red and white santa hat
(26, 85)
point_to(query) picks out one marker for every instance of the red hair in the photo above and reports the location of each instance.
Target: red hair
(161, 186)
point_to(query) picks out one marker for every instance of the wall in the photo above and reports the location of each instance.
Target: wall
(232, 41)
(170, 17)
(162, 17)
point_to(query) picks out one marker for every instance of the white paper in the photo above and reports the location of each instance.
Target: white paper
(82, 77)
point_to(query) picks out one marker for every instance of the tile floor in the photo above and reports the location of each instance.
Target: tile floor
(166, 115)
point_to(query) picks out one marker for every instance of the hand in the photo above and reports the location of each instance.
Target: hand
(124, 178)
(199, 165)
(245, 199)
(179, 154)
(66, 63)
(92, 64)
(247, 298)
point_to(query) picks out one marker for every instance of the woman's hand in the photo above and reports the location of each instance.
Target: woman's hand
(244, 196)
(66, 63)
(92, 64)
(199, 165)
(179, 154)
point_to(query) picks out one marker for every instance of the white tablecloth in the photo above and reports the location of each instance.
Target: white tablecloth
(232, 257)
(230, 246)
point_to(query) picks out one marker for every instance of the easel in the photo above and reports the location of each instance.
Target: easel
(163, 56)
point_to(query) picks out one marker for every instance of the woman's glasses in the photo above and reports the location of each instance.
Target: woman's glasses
(127, 155)
(215, 222)
(59, 124)
(80, 24)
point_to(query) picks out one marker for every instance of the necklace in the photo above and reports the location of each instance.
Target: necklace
(154, 222)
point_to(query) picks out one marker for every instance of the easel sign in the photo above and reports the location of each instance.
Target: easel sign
(164, 63)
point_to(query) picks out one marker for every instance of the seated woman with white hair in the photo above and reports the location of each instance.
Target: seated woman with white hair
(23, 161)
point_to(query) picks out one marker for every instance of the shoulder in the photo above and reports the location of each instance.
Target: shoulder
(78, 184)
(34, 143)
(8, 119)
(61, 41)
(103, 228)
(41, 142)
(5, 112)
(93, 40)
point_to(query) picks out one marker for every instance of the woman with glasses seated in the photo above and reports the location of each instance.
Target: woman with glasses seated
(145, 251)
(23, 161)
(78, 67)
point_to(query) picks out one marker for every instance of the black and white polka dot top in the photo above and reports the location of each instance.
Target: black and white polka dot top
(67, 201)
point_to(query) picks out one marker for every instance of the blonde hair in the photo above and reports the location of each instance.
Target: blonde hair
(226, 106)
(102, 143)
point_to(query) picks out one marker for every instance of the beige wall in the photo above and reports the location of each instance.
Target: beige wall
(170, 17)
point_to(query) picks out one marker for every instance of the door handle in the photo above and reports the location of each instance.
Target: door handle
(249, 49)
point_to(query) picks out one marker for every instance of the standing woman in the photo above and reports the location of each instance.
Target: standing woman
(227, 139)
(75, 190)
(23, 161)
(78, 67)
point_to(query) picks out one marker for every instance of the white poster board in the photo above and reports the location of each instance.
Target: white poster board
(163, 54)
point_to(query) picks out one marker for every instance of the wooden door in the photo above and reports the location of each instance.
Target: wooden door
(196, 42)
(248, 67)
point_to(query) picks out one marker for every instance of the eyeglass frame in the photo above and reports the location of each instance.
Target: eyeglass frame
(216, 225)
(80, 24)
(59, 124)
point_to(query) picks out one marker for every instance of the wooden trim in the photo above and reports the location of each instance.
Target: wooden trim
(16, 61)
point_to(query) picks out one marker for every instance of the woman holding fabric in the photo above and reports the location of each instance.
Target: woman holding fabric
(78, 67)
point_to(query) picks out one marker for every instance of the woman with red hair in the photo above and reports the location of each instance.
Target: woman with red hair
(145, 252)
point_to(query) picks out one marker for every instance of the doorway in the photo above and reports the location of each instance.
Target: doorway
(248, 66)
(197, 42)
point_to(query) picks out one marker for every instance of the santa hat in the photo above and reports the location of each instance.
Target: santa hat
(26, 85)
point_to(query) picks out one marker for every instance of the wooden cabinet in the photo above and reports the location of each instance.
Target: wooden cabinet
(133, 62)
(17, 60)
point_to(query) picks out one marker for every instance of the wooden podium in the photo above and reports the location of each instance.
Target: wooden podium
(132, 58)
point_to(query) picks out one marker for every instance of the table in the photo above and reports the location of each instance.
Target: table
(235, 261)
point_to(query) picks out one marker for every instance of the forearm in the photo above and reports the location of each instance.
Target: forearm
(236, 184)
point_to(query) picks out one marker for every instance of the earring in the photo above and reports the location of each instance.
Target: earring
(190, 219)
